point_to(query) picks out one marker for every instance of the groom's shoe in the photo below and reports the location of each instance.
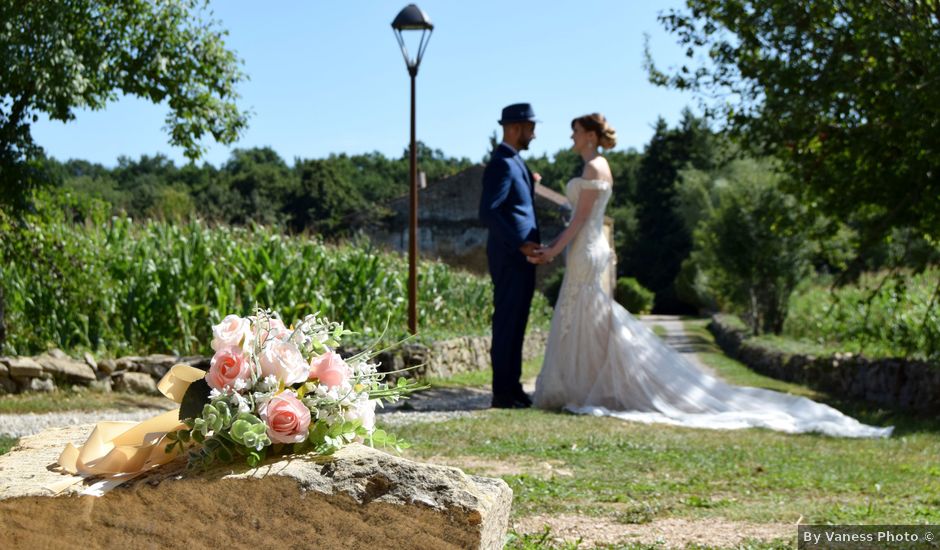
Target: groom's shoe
(523, 397)
(508, 402)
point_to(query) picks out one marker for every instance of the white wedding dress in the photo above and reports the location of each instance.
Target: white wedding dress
(600, 360)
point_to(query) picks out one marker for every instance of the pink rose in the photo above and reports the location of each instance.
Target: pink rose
(233, 331)
(330, 369)
(286, 417)
(228, 366)
(284, 361)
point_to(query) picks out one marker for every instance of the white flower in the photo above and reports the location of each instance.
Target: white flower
(233, 331)
(363, 409)
(284, 361)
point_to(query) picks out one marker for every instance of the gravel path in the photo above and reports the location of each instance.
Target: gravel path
(676, 337)
(434, 405)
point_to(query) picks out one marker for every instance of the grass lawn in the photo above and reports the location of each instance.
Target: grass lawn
(633, 473)
(620, 473)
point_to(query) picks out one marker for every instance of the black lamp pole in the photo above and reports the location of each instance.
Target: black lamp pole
(413, 19)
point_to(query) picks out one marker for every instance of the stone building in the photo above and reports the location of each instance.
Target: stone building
(449, 228)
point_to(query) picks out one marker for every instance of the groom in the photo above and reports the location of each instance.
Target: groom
(506, 206)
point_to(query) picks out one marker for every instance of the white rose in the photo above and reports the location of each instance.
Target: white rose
(363, 409)
(233, 331)
(284, 361)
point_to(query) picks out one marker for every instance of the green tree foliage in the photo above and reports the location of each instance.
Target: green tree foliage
(325, 201)
(844, 92)
(262, 182)
(663, 240)
(57, 56)
(754, 246)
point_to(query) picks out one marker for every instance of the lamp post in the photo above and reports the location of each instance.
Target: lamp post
(411, 18)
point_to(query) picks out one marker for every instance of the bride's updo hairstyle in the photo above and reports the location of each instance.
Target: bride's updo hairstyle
(595, 122)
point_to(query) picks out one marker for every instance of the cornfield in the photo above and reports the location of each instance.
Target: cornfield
(116, 287)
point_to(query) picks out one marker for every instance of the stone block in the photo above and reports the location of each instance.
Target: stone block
(136, 382)
(107, 366)
(357, 498)
(23, 366)
(40, 385)
(90, 361)
(68, 369)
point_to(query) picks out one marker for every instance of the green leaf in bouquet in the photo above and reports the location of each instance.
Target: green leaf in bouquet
(197, 436)
(224, 454)
(196, 396)
(182, 435)
(248, 430)
(217, 416)
(255, 458)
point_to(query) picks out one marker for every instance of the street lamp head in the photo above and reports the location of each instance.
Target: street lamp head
(411, 18)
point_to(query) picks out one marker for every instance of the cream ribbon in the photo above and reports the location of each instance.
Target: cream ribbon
(116, 449)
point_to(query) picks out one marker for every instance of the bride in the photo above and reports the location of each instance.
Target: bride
(600, 360)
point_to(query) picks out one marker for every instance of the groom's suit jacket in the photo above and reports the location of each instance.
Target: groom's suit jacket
(507, 205)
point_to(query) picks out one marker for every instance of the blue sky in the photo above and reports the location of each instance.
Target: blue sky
(328, 77)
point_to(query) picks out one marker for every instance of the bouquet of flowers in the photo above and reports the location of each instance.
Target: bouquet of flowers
(273, 388)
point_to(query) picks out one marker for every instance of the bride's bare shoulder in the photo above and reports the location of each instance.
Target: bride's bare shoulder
(597, 169)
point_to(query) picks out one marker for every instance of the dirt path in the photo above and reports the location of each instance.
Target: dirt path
(689, 346)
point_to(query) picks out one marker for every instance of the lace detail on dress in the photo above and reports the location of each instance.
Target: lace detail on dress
(590, 244)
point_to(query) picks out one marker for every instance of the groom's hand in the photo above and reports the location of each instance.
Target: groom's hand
(531, 249)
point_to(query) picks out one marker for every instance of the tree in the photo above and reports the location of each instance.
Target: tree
(56, 56)
(754, 244)
(663, 241)
(262, 181)
(845, 92)
(325, 201)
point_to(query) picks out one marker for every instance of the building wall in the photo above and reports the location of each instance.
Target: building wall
(449, 228)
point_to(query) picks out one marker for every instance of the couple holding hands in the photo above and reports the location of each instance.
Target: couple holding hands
(600, 359)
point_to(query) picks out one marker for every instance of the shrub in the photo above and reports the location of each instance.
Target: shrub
(633, 296)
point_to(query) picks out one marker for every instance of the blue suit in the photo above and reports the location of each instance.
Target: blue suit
(507, 208)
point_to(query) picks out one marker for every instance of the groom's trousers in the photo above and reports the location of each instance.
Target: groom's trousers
(513, 286)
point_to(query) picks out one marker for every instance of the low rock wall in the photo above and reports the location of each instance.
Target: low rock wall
(897, 383)
(140, 374)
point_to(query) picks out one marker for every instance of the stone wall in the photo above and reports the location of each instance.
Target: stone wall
(139, 374)
(897, 383)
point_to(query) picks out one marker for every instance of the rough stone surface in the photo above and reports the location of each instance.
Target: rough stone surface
(90, 361)
(23, 366)
(65, 368)
(359, 498)
(107, 366)
(136, 382)
(101, 386)
(41, 385)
